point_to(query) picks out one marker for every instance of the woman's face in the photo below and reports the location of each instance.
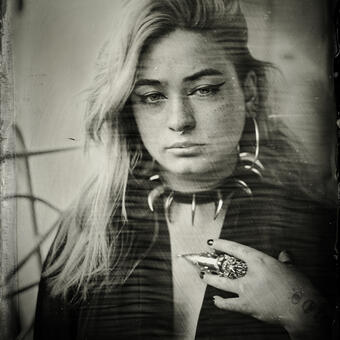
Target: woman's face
(188, 104)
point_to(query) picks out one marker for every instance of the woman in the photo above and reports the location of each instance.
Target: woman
(181, 108)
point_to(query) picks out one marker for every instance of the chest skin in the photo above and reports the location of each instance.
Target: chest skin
(188, 238)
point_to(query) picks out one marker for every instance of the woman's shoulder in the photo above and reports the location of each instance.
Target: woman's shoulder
(292, 206)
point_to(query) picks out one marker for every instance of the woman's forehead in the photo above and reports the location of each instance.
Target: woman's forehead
(182, 53)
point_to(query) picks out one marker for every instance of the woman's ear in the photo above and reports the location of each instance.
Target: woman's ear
(251, 94)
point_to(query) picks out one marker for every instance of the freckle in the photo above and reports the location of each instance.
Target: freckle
(308, 306)
(296, 297)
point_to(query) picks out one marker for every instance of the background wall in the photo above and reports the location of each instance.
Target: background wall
(55, 44)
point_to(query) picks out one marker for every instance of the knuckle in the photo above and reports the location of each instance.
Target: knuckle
(263, 260)
(242, 287)
(221, 281)
(245, 252)
(245, 307)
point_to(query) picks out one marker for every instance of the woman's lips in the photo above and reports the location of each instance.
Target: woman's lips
(184, 145)
(185, 148)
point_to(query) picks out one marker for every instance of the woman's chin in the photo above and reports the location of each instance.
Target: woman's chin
(188, 167)
(207, 169)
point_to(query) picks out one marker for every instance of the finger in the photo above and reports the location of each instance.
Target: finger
(231, 304)
(285, 257)
(233, 248)
(222, 283)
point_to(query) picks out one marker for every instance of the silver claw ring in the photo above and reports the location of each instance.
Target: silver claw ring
(224, 265)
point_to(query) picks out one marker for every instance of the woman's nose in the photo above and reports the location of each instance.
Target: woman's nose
(181, 116)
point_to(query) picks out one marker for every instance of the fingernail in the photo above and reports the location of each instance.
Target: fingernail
(202, 275)
(210, 242)
(285, 257)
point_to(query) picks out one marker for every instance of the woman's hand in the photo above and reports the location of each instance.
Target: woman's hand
(271, 291)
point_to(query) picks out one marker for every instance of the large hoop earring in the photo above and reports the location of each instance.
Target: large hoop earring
(252, 162)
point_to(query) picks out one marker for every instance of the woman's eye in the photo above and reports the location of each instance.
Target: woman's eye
(207, 90)
(152, 98)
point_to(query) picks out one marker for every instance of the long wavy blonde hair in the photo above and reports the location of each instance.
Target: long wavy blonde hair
(88, 243)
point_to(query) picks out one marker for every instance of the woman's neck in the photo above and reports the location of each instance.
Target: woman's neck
(191, 183)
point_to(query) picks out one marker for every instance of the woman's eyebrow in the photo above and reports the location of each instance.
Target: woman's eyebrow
(143, 82)
(203, 73)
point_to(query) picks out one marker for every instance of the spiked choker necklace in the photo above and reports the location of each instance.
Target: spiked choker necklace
(218, 195)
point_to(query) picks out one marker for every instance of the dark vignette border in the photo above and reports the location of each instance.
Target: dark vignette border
(336, 70)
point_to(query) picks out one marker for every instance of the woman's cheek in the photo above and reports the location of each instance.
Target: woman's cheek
(225, 121)
(148, 127)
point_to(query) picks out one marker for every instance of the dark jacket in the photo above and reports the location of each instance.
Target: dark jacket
(271, 220)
